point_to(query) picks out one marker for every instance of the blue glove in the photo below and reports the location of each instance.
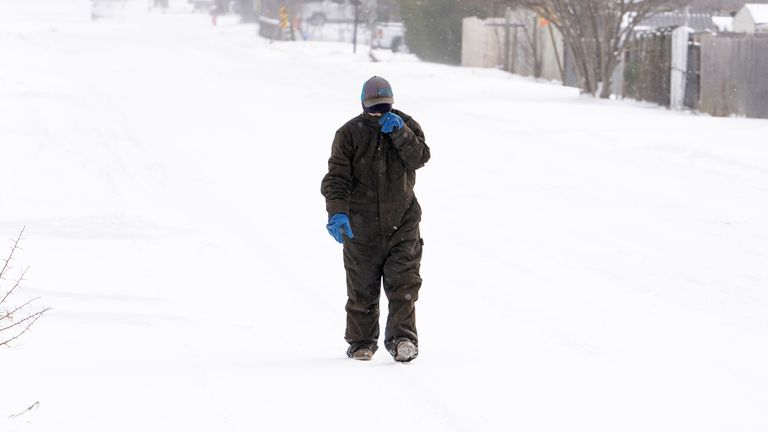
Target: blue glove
(390, 122)
(338, 225)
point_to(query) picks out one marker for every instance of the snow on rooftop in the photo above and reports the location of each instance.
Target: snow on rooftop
(696, 21)
(723, 23)
(759, 12)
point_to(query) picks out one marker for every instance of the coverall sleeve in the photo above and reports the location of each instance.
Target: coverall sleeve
(411, 145)
(337, 184)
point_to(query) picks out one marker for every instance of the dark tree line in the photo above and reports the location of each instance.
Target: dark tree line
(434, 26)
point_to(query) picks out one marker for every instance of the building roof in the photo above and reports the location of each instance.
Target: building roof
(759, 12)
(696, 21)
(720, 6)
(723, 23)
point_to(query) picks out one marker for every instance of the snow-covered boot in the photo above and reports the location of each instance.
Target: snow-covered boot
(361, 351)
(363, 354)
(406, 351)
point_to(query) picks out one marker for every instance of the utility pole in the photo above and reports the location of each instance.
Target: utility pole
(510, 46)
(356, 3)
(507, 24)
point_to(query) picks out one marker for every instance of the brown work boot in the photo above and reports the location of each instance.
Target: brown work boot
(363, 354)
(406, 351)
(361, 351)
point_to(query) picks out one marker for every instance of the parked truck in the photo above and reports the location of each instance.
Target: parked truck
(389, 35)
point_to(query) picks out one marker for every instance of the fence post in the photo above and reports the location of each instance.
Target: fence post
(679, 67)
(507, 25)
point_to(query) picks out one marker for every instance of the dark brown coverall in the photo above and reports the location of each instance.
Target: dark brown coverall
(370, 178)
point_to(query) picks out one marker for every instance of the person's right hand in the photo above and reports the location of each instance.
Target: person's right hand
(390, 122)
(338, 226)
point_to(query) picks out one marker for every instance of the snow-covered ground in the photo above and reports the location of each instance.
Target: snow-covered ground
(589, 265)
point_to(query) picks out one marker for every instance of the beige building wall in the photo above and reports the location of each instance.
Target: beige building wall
(552, 49)
(481, 44)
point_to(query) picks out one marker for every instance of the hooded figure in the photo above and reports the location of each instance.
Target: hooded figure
(373, 211)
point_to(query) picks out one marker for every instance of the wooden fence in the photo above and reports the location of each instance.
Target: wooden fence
(734, 74)
(693, 74)
(647, 66)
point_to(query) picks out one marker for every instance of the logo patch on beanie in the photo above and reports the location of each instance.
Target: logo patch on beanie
(385, 92)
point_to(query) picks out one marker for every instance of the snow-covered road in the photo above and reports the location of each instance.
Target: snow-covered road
(588, 265)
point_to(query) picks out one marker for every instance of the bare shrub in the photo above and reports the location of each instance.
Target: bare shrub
(16, 316)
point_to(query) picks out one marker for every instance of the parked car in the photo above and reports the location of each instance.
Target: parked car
(319, 12)
(202, 5)
(220, 6)
(389, 35)
(106, 8)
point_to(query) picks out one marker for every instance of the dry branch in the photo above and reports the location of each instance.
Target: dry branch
(30, 320)
(15, 285)
(12, 329)
(14, 248)
(31, 408)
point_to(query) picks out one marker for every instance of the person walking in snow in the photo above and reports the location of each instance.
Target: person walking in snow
(373, 211)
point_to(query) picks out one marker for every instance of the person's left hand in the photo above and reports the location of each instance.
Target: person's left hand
(390, 122)
(338, 227)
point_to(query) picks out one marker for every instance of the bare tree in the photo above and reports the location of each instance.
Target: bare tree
(596, 32)
(16, 318)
